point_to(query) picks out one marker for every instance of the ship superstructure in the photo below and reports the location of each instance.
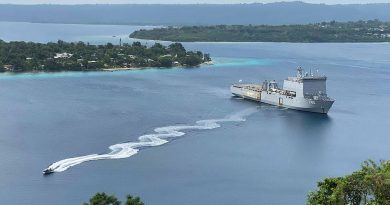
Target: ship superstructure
(306, 91)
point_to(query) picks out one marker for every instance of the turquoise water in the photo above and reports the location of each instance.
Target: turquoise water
(233, 62)
(218, 149)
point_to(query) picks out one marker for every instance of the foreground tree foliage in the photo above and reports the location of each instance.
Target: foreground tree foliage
(360, 31)
(133, 200)
(104, 199)
(368, 186)
(79, 56)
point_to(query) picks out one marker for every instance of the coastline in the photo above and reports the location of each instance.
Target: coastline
(119, 69)
(105, 70)
(276, 42)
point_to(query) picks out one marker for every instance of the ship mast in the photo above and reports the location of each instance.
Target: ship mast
(300, 72)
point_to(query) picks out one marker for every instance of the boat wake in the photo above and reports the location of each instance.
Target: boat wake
(160, 137)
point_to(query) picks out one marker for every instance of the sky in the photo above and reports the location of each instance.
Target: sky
(178, 1)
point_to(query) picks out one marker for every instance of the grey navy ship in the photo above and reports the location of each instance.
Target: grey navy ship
(305, 92)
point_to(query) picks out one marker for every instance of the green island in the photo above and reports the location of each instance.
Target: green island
(369, 185)
(79, 56)
(360, 31)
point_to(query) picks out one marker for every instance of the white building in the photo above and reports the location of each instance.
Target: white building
(63, 55)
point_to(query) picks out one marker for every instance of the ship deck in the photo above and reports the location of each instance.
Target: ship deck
(252, 87)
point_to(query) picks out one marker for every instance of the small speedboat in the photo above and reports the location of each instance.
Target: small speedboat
(48, 171)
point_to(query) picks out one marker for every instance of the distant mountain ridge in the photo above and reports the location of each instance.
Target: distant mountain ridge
(194, 14)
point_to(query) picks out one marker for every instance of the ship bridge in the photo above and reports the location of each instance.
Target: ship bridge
(306, 84)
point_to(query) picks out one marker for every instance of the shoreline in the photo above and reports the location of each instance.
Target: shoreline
(275, 42)
(119, 69)
(103, 70)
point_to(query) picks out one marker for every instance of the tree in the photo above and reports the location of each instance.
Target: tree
(361, 31)
(60, 56)
(378, 178)
(206, 57)
(192, 60)
(158, 45)
(177, 49)
(103, 199)
(109, 46)
(137, 44)
(133, 200)
(326, 190)
(165, 61)
(368, 186)
(157, 49)
(2, 67)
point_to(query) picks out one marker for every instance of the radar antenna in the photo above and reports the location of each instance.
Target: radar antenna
(300, 72)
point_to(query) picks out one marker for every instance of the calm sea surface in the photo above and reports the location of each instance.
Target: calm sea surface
(276, 156)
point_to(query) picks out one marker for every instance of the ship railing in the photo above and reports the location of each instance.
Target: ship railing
(248, 87)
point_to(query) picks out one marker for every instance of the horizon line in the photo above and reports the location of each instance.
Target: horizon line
(245, 3)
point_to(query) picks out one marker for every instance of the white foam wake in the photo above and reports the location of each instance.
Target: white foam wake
(160, 137)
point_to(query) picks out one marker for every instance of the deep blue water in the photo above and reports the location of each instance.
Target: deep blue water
(276, 156)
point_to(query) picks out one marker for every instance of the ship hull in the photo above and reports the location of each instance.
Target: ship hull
(317, 106)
